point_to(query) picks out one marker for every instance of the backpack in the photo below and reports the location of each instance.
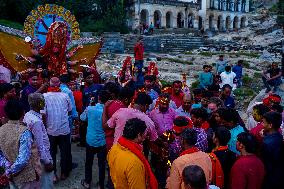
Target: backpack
(217, 171)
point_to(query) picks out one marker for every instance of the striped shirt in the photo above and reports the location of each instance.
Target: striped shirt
(57, 107)
(202, 143)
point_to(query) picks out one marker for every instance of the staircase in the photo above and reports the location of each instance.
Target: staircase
(181, 44)
(112, 43)
(176, 31)
(165, 43)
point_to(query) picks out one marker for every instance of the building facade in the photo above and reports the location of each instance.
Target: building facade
(215, 15)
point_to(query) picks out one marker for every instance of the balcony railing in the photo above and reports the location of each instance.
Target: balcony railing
(170, 2)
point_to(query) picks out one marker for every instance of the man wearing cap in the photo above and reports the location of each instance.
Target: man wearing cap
(138, 54)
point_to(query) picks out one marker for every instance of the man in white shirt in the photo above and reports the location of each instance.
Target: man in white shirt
(33, 120)
(228, 77)
(57, 108)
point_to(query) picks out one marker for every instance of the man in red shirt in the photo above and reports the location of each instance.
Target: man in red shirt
(124, 99)
(177, 94)
(248, 171)
(138, 54)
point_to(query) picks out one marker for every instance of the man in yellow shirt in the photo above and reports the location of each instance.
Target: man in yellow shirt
(129, 169)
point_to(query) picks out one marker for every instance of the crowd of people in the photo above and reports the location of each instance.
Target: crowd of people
(145, 135)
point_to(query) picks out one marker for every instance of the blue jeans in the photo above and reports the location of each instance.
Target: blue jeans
(274, 83)
(101, 154)
(139, 65)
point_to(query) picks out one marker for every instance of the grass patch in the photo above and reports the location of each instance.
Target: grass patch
(207, 53)
(257, 75)
(248, 54)
(165, 83)
(179, 61)
(195, 84)
(246, 64)
(247, 80)
(188, 52)
(240, 53)
(244, 92)
(11, 24)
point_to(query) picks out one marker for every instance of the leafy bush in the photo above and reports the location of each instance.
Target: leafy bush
(247, 80)
(246, 64)
(257, 75)
(165, 83)
(195, 84)
(11, 24)
(244, 92)
(280, 20)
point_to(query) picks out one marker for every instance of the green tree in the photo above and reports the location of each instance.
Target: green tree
(92, 15)
(280, 17)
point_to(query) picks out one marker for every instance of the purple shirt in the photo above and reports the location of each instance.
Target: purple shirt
(202, 143)
(36, 126)
(120, 117)
(163, 121)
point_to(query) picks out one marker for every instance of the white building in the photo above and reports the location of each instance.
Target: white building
(218, 15)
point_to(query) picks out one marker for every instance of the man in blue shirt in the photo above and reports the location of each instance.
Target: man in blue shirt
(272, 150)
(91, 90)
(221, 64)
(96, 143)
(148, 83)
(226, 96)
(64, 79)
(205, 78)
(238, 70)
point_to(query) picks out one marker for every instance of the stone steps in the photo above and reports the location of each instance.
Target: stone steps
(112, 43)
(176, 31)
(115, 43)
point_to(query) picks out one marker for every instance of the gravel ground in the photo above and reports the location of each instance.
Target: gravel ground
(73, 181)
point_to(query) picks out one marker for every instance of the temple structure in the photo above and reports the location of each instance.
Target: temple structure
(215, 15)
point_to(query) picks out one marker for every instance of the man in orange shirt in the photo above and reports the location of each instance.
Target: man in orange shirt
(129, 169)
(190, 156)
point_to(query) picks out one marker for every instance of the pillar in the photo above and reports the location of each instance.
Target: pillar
(163, 20)
(175, 19)
(136, 20)
(195, 22)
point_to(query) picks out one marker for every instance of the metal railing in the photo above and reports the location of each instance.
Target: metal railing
(170, 2)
